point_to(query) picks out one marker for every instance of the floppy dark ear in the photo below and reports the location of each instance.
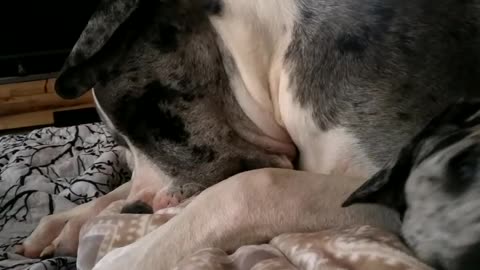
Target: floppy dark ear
(96, 46)
(111, 31)
(387, 187)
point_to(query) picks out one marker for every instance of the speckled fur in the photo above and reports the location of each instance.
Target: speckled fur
(381, 69)
(435, 186)
(160, 80)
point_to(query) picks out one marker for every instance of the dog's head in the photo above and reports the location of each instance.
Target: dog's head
(160, 84)
(435, 186)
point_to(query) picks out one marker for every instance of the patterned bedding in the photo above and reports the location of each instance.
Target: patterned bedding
(352, 248)
(53, 169)
(47, 171)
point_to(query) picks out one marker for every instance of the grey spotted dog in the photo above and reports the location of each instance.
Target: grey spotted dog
(253, 102)
(434, 184)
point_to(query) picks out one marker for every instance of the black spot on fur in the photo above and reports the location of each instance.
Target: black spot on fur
(214, 7)
(117, 13)
(383, 13)
(433, 98)
(407, 87)
(132, 69)
(134, 79)
(182, 82)
(161, 92)
(404, 116)
(384, 17)
(308, 14)
(170, 95)
(470, 259)
(167, 38)
(462, 170)
(166, 94)
(152, 111)
(137, 207)
(169, 126)
(188, 97)
(102, 77)
(204, 153)
(101, 30)
(79, 57)
(89, 42)
(348, 43)
(405, 43)
(115, 72)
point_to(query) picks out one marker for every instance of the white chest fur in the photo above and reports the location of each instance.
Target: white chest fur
(256, 35)
(335, 151)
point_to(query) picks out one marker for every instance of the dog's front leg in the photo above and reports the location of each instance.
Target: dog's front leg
(59, 233)
(250, 208)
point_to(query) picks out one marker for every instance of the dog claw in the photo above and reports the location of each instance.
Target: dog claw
(48, 252)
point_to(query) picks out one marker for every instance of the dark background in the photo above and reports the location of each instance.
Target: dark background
(37, 35)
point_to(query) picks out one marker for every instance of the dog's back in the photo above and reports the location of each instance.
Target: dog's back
(383, 68)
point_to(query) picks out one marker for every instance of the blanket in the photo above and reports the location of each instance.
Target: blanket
(47, 171)
(55, 169)
(349, 248)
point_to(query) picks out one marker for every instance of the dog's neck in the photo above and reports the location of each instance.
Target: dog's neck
(254, 36)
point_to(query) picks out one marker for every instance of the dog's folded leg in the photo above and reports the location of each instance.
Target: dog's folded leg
(58, 234)
(249, 208)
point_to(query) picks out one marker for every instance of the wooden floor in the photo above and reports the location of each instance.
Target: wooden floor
(33, 104)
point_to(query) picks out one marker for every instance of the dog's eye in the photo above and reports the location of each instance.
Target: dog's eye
(462, 170)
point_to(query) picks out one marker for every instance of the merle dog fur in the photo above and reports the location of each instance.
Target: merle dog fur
(434, 185)
(380, 68)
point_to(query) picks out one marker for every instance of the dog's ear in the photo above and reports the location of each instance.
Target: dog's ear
(96, 47)
(113, 28)
(386, 187)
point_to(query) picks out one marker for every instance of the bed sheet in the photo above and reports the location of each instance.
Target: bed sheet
(47, 171)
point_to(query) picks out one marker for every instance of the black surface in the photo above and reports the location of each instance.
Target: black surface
(37, 35)
(75, 117)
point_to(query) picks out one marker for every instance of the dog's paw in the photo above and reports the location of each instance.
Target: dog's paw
(58, 234)
(55, 235)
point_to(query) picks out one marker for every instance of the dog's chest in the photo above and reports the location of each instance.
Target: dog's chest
(333, 151)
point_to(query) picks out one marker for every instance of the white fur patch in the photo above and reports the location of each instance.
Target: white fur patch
(256, 34)
(146, 175)
(331, 152)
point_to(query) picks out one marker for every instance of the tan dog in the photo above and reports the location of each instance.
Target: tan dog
(251, 207)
